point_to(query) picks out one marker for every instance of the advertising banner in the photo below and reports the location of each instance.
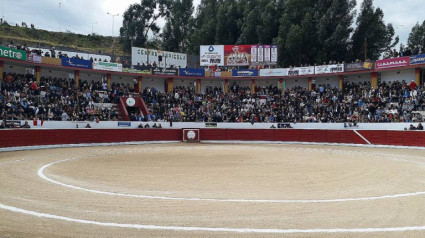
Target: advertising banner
(192, 72)
(245, 73)
(329, 69)
(273, 54)
(124, 124)
(53, 61)
(267, 53)
(77, 63)
(212, 55)
(260, 53)
(237, 55)
(254, 53)
(107, 66)
(13, 53)
(136, 71)
(273, 72)
(161, 71)
(417, 59)
(391, 63)
(358, 66)
(34, 58)
(301, 71)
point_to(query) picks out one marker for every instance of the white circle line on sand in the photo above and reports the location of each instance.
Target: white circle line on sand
(41, 174)
(212, 229)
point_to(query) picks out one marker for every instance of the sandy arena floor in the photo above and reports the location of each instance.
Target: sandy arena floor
(206, 190)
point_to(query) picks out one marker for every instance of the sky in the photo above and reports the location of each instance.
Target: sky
(83, 16)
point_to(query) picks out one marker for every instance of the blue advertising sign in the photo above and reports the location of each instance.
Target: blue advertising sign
(124, 124)
(192, 72)
(245, 73)
(417, 59)
(77, 63)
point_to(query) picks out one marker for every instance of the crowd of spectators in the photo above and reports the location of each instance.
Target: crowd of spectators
(358, 102)
(58, 99)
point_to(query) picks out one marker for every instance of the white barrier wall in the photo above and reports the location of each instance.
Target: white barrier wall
(358, 78)
(290, 83)
(211, 83)
(331, 81)
(400, 75)
(157, 83)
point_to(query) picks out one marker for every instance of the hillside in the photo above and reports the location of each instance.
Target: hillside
(61, 40)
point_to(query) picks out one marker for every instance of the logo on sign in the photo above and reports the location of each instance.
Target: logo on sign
(211, 49)
(191, 135)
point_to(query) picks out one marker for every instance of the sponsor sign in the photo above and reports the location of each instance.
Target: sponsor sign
(136, 71)
(13, 53)
(391, 63)
(273, 72)
(212, 55)
(107, 66)
(301, 71)
(161, 71)
(417, 59)
(124, 124)
(77, 63)
(245, 73)
(34, 58)
(358, 66)
(273, 54)
(329, 69)
(254, 53)
(260, 53)
(192, 72)
(267, 53)
(238, 55)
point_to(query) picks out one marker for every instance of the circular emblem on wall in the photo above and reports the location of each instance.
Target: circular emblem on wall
(130, 102)
(19, 55)
(191, 135)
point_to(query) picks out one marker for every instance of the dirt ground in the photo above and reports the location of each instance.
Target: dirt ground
(213, 190)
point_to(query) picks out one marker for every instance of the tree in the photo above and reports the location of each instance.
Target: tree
(417, 36)
(178, 27)
(140, 19)
(371, 33)
(334, 19)
(227, 31)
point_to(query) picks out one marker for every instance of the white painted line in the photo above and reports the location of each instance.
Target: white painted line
(41, 174)
(355, 131)
(212, 229)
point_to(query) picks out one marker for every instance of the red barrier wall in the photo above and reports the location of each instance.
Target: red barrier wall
(22, 137)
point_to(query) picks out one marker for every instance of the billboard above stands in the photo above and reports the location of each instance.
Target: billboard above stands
(136, 71)
(329, 69)
(34, 58)
(273, 54)
(163, 59)
(392, 63)
(107, 66)
(161, 71)
(13, 53)
(298, 71)
(273, 72)
(360, 66)
(212, 55)
(77, 63)
(192, 72)
(238, 55)
(245, 73)
(417, 59)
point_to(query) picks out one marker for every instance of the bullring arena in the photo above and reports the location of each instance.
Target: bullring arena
(234, 188)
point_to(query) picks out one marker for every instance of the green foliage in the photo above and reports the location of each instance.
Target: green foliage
(417, 36)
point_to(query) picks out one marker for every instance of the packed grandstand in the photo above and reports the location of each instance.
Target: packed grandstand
(24, 97)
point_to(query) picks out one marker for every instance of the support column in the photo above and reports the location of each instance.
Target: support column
(281, 84)
(139, 83)
(226, 86)
(418, 76)
(1, 70)
(310, 83)
(198, 86)
(252, 86)
(77, 78)
(341, 82)
(374, 80)
(37, 74)
(109, 81)
(170, 84)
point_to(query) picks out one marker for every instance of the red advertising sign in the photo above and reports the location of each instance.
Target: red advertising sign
(237, 55)
(392, 63)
